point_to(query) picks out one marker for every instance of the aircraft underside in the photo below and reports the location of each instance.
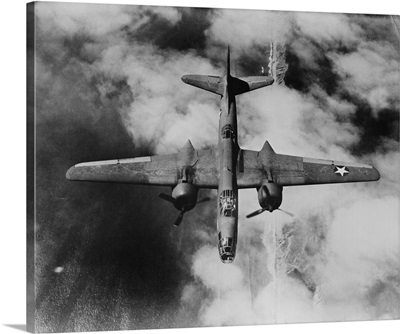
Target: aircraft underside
(227, 168)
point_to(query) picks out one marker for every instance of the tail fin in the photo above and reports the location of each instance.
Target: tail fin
(217, 84)
(228, 63)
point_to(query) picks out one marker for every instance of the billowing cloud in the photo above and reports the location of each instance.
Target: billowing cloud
(244, 28)
(326, 28)
(371, 71)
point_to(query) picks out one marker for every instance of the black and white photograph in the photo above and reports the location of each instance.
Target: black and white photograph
(206, 167)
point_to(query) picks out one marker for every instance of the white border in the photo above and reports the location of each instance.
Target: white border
(13, 170)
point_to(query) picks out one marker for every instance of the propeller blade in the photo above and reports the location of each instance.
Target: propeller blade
(167, 198)
(178, 220)
(255, 213)
(287, 212)
(203, 200)
(259, 211)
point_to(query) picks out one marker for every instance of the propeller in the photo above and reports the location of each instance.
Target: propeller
(256, 213)
(287, 212)
(259, 211)
(203, 200)
(178, 220)
(172, 200)
(167, 198)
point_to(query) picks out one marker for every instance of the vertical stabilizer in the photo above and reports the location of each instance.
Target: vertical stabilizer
(228, 63)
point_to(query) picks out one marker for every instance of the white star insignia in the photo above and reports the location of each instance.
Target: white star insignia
(341, 170)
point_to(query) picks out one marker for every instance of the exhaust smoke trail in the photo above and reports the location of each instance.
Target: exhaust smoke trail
(277, 62)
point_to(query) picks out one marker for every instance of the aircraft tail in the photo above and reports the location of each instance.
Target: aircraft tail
(236, 86)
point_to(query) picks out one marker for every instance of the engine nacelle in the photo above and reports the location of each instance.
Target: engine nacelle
(185, 195)
(270, 196)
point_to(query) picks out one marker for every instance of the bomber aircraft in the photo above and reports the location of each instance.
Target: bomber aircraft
(226, 168)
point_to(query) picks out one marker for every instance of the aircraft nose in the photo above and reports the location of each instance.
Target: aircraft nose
(227, 257)
(226, 254)
(226, 248)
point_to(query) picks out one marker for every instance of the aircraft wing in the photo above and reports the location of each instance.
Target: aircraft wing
(164, 170)
(256, 167)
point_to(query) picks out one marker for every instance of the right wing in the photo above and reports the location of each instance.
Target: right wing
(164, 170)
(254, 168)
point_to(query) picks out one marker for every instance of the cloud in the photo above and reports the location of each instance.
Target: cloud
(162, 103)
(213, 273)
(363, 241)
(372, 72)
(68, 19)
(371, 230)
(290, 120)
(171, 14)
(326, 28)
(244, 28)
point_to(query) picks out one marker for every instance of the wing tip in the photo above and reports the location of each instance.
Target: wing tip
(375, 174)
(69, 173)
(184, 78)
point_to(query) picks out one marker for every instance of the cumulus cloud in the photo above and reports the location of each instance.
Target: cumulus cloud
(244, 28)
(68, 19)
(291, 120)
(325, 27)
(363, 240)
(162, 104)
(377, 241)
(372, 72)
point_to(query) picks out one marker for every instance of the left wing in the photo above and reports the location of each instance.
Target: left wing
(254, 168)
(195, 166)
(159, 170)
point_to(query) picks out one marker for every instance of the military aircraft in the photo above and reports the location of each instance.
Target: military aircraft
(227, 168)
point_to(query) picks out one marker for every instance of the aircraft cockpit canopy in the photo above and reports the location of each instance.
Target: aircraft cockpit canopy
(227, 203)
(227, 132)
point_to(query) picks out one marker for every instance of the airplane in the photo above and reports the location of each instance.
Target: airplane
(226, 168)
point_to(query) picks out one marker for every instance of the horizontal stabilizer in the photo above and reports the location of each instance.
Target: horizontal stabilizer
(247, 84)
(210, 83)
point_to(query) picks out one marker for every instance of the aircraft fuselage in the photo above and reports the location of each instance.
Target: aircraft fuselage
(227, 221)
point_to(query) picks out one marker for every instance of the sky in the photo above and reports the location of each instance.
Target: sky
(108, 86)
